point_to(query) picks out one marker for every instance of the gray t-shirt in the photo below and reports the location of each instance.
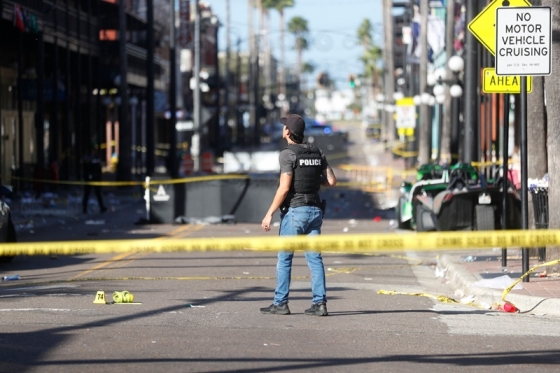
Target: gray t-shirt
(288, 164)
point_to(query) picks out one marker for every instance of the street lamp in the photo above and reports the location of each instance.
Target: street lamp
(456, 91)
(456, 64)
(431, 79)
(380, 98)
(412, 140)
(439, 90)
(425, 98)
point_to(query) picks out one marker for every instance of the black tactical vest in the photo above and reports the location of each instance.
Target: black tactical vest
(307, 173)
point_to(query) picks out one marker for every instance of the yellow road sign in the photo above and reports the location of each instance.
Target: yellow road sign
(406, 101)
(483, 26)
(405, 113)
(493, 83)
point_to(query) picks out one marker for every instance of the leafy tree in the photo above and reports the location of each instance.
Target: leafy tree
(299, 28)
(364, 34)
(371, 58)
(280, 5)
(308, 68)
(372, 54)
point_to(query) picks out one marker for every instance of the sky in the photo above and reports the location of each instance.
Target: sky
(333, 26)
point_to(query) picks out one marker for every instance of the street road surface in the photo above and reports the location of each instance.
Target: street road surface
(49, 323)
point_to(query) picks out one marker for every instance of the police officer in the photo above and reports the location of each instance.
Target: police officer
(303, 169)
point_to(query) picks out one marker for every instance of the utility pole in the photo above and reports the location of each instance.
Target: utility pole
(173, 173)
(195, 148)
(228, 71)
(445, 154)
(124, 165)
(239, 127)
(150, 91)
(470, 135)
(253, 53)
(265, 35)
(389, 84)
(282, 75)
(218, 142)
(424, 148)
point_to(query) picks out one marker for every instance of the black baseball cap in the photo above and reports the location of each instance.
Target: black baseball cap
(295, 124)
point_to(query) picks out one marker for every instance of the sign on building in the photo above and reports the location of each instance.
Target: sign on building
(184, 37)
(523, 39)
(405, 113)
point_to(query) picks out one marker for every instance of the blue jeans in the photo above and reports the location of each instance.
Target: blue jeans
(303, 220)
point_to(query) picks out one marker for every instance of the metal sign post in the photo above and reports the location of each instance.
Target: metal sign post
(483, 27)
(524, 189)
(523, 41)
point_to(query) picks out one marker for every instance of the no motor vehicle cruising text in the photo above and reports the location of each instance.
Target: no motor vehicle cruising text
(539, 49)
(523, 37)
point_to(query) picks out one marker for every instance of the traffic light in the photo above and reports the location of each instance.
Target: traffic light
(352, 81)
(323, 79)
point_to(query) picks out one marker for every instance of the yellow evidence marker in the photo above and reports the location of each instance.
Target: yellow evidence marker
(100, 297)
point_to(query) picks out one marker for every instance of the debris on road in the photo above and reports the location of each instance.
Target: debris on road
(10, 278)
(95, 222)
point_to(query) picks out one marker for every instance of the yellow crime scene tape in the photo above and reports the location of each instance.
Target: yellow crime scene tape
(356, 243)
(441, 298)
(380, 187)
(509, 288)
(497, 306)
(133, 183)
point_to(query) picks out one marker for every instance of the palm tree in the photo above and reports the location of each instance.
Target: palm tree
(299, 28)
(307, 69)
(364, 34)
(280, 5)
(372, 53)
(553, 132)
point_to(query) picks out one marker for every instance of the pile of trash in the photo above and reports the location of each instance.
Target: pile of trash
(535, 185)
(210, 220)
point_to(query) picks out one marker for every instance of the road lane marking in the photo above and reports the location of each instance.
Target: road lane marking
(184, 234)
(103, 264)
(114, 261)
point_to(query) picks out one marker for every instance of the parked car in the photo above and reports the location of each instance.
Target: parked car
(315, 128)
(456, 198)
(373, 130)
(7, 228)
(276, 130)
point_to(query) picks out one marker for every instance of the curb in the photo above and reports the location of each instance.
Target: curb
(461, 279)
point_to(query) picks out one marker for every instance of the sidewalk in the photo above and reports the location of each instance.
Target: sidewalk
(463, 269)
(32, 212)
